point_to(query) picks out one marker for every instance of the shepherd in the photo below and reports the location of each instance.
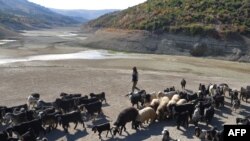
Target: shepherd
(183, 83)
(135, 79)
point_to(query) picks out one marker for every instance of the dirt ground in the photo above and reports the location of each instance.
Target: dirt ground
(113, 76)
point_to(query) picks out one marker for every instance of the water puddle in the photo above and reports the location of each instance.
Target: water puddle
(2, 42)
(88, 54)
(68, 34)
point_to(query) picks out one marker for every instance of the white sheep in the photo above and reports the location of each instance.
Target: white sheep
(161, 110)
(160, 94)
(181, 101)
(164, 100)
(146, 114)
(171, 102)
(176, 97)
(155, 103)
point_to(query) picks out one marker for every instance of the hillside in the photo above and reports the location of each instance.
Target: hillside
(193, 17)
(22, 15)
(5, 33)
(84, 15)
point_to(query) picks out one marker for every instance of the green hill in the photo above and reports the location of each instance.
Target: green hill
(208, 17)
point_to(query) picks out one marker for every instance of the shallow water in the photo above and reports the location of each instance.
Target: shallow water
(2, 42)
(68, 35)
(88, 54)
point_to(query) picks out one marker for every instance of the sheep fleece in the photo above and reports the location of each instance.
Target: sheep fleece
(146, 114)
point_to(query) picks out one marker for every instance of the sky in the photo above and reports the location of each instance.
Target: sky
(88, 4)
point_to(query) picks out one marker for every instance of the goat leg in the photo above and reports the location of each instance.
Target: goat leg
(107, 133)
(76, 123)
(55, 125)
(110, 130)
(99, 135)
(121, 130)
(65, 127)
(178, 126)
(83, 125)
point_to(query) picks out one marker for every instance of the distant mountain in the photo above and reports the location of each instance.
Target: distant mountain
(21, 14)
(84, 14)
(5, 33)
(206, 17)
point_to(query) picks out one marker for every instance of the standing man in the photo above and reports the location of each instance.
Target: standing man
(134, 79)
(183, 83)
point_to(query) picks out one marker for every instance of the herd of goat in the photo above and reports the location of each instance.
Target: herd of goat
(29, 121)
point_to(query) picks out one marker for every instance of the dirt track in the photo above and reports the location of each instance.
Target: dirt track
(113, 76)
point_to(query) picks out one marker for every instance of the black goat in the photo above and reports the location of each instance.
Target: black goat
(15, 118)
(202, 105)
(44, 105)
(95, 107)
(36, 95)
(84, 100)
(65, 105)
(205, 134)
(5, 110)
(209, 114)
(202, 89)
(244, 93)
(169, 89)
(219, 136)
(183, 95)
(74, 116)
(102, 127)
(28, 136)
(50, 119)
(234, 95)
(242, 121)
(46, 111)
(182, 119)
(236, 104)
(166, 135)
(218, 100)
(183, 108)
(191, 97)
(126, 115)
(100, 96)
(135, 98)
(3, 136)
(66, 96)
(20, 129)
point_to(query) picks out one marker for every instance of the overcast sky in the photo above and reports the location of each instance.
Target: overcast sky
(88, 4)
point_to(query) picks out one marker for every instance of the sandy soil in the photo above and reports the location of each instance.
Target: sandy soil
(113, 76)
